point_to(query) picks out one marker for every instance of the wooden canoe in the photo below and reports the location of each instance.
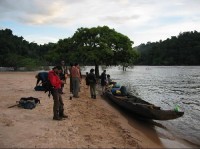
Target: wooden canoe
(142, 108)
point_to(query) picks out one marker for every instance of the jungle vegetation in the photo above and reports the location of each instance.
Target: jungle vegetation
(99, 46)
(88, 46)
(181, 50)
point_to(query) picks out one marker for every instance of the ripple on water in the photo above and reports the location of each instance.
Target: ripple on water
(167, 86)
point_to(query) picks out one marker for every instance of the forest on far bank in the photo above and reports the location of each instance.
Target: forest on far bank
(99, 46)
(183, 49)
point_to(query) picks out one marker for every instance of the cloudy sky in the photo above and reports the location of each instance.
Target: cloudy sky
(44, 21)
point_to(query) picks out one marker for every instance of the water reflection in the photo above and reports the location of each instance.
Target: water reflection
(167, 87)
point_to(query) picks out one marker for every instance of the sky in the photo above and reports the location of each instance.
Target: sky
(44, 21)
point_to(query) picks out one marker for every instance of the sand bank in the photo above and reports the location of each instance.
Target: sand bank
(91, 123)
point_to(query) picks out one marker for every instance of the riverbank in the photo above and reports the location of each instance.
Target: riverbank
(91, 123)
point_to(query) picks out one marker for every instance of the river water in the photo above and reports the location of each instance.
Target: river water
(167, 86)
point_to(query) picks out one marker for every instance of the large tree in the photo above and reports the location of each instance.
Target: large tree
(102, 45)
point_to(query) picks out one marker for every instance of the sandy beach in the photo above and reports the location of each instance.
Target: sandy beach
(91, 124)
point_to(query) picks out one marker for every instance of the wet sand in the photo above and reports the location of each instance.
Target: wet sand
(91, 123)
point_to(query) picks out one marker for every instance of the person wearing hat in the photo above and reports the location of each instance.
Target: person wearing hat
(58, 106)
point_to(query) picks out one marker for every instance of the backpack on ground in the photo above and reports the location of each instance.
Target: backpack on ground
(28, 103)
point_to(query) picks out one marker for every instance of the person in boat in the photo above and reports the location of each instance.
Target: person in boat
(58, 106)
(41, 78)
(110, 84)
(103, 81)
(108, 79)
(92, 82)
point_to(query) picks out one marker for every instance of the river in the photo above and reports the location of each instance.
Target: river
(166, 86)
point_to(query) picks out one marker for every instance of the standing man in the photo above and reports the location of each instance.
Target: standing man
(103, 81)
(92, 81)
(58, 107)
(70, 77)
(63, 74)
(87, 80)
(79, 69)
(76, 80)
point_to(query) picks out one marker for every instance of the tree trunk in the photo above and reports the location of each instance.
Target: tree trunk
(97, 70)
(124, 67)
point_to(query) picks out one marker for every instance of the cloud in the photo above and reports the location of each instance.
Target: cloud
(121, 19)
(31, 12)
(51, 11)
(136, 19)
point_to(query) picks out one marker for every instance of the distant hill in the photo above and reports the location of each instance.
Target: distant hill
(181, 50)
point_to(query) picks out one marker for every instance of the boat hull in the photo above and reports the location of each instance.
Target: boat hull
(142, 108)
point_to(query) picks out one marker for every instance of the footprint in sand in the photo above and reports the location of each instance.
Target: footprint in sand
(7, 122)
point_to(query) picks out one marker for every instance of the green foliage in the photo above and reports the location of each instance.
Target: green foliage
(102, 45)
(99, 46)
(88, 46)
(12, 60)
(17, 52)
(16, 61)
(181, 50)
(29, 63)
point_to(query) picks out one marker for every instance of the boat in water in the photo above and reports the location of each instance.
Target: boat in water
(142, 108)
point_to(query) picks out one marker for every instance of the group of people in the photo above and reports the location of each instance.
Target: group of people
(91, 81)
(57, 78)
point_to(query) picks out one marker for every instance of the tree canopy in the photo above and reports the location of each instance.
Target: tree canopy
(99, 46)
(102, 45)
(181, 50)
(88, 46)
